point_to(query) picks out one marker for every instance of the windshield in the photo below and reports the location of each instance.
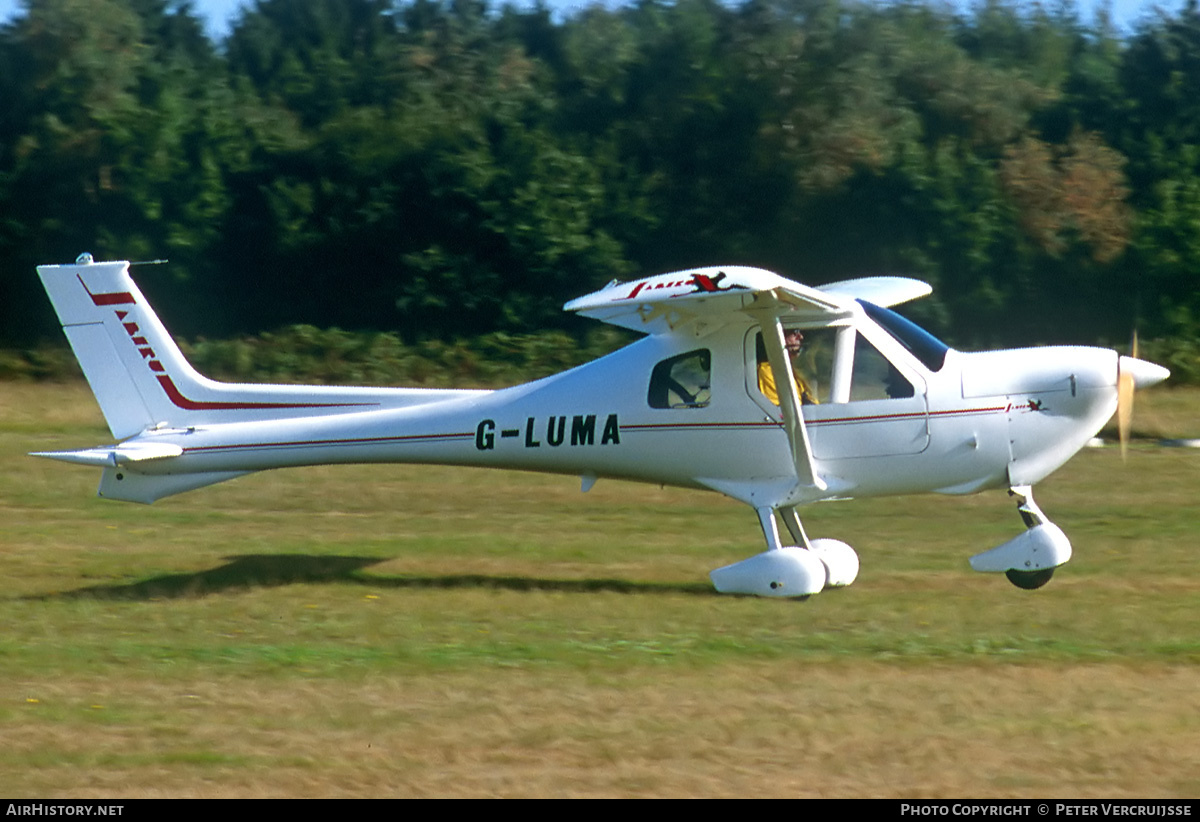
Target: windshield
(928, 349)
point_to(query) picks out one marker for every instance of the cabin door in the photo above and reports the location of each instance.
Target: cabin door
(864, 404)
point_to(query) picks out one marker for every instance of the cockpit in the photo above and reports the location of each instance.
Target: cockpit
(849, 361)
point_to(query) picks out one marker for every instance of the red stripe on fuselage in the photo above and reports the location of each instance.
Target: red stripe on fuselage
(915, 415)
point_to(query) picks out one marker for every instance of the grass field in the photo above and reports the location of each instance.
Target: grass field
(401, 631)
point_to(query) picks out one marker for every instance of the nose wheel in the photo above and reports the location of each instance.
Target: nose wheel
(1027, 560)
(1029, 580)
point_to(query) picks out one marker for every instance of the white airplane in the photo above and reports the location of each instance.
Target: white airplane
(873, 406)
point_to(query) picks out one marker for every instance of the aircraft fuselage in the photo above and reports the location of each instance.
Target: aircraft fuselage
(958, 434)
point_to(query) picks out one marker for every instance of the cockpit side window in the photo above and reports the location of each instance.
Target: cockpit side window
(832, 365)
(874, 378)
(812, 354)
(928, 349)
(683, 381)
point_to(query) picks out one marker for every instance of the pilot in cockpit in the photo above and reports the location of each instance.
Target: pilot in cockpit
(794, 343)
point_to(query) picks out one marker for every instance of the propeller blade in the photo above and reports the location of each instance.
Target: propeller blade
(1127, 371)
(1125, 386)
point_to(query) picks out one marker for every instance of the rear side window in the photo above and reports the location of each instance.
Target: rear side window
(683, 381)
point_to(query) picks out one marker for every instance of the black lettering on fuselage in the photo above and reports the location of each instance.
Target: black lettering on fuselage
(612, 431)
(555, 434)
(485, 439)
(583, 429)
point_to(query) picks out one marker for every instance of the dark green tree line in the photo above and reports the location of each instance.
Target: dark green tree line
(446, 168)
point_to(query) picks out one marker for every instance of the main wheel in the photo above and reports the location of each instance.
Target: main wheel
(1029, 580)
(841, 562)
(783, 572)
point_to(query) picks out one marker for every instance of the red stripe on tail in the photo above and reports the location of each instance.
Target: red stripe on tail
(111, 298)
(177, 397)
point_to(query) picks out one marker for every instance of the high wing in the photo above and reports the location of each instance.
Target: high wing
(733, 294)
(715, 296)
(883, 291)
(663, 303)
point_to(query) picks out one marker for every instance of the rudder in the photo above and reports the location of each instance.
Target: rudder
(121, 346)
(141, 379)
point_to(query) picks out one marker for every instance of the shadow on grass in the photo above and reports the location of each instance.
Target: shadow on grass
(268, 571)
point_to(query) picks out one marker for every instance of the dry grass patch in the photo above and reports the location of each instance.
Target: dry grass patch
(759, 729)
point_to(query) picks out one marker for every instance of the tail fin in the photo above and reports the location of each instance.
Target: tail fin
(141, 379)
(129, 359)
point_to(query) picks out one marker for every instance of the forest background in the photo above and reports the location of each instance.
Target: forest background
(437, 176)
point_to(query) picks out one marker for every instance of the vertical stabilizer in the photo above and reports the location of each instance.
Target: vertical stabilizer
(141, 379)
(120, 344)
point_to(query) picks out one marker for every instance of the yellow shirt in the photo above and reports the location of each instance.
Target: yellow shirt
(766, 384)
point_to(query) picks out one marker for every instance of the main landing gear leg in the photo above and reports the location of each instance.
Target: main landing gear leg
(791, 519)
(799, 570)
(1027, 560)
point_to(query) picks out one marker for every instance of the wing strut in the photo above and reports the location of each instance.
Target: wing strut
(789, 402)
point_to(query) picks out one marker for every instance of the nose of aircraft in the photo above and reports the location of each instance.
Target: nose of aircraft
(1145, 374)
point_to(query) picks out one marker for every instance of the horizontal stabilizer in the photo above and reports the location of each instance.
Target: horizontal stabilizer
(106, 456)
